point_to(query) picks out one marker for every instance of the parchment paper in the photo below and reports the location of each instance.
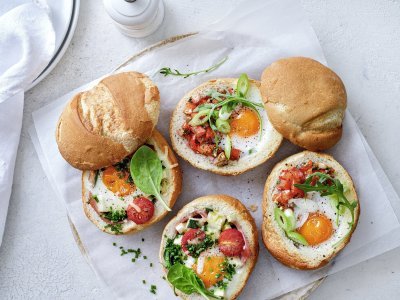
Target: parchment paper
(253, 36)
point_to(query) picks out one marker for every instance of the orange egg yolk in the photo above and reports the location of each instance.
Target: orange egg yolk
(316, 229)
(245, 124)
(117, 182)
(212, 270)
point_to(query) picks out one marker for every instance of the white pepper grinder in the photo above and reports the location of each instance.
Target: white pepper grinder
(136, 18)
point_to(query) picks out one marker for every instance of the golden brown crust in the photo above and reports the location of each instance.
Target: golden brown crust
(197, 160)
(176, 177)
(101, 126)
(220, 200)
(305, 102)
(273, 241)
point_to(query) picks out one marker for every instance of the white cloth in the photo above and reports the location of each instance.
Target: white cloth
(27, 43)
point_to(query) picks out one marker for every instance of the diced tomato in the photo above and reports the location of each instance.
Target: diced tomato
(203, 100)
(193, 143)
(210, 134)
(190, 106)
(282, 197)
(198, 131)
(193, 236)
(231, 242)
(141, 211)
(307, 168)
(235, 154)
(205, 149)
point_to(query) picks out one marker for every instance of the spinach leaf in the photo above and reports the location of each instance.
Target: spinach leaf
(186, 280)
(146, 171)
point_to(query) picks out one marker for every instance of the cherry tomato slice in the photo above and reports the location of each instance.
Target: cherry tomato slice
(145, 213)
(192, 235)
(231, 242)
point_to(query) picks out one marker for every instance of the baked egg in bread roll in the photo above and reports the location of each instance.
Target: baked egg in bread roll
(221, 126)
(101, 126)
(119, 199)
(210, 248)
(310, 210)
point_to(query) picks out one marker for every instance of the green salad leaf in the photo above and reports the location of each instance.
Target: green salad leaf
(186, 280)
(146, 171)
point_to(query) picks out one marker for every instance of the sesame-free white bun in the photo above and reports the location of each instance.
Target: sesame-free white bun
(170, 194)
(101, 126)
(265, 148)
(305, 102)
(274, 237)
(239, 214)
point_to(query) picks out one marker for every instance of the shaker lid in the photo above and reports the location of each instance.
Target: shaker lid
(137, 14)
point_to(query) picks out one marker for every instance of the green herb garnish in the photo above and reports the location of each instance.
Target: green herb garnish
(192, 224)
(328, 186)
(115, 215)
(153, 289)
(173, 254)
(168, 71)
(196, 249)
(96, 176)
(146, 171)
(95, 198)
(186, 280)
(116, 228)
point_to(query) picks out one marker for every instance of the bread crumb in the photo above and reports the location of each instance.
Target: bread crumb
(253, 208)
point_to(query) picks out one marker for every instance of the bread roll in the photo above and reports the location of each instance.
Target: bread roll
(261, 149)
(276, 240)
(305, 102)
(236, 213)
(169, 193)
(101, 126)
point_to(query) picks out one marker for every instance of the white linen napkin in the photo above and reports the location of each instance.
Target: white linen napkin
(27, 43)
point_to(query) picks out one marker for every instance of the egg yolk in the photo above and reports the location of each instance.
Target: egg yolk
(117, 182)
(212, 270)
(245, 124)
(316, 229)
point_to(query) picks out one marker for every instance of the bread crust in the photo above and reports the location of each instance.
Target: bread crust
(171, 161)
(101, 126)
(244, 218)
(305, 102)
(197, 160)
(273, 239)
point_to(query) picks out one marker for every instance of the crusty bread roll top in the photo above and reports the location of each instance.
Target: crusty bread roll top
(101, 126)
(305, 102)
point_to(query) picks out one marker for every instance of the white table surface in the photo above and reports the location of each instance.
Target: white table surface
(361, 40)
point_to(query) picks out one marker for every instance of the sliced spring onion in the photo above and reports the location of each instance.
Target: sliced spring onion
(228, 147)
(242, 85)
(290, 219)
(223, 126)
(297, 237)
(224, 113)
(287, 223)
(200, 118)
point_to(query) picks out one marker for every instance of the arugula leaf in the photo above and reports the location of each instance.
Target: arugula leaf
(328, 186)
(186, 280)
(146, 171)
(168, 71)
